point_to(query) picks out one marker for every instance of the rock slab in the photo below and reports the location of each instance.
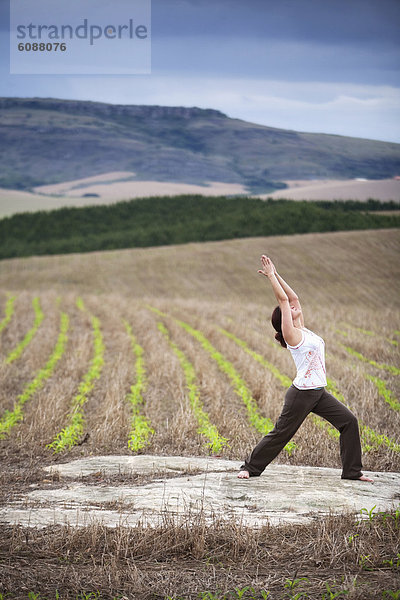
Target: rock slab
(203, 486)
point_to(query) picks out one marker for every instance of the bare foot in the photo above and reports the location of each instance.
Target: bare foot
(243, 475)
(364, 478)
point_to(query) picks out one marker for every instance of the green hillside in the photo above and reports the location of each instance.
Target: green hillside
(49, 141)
(161, 221)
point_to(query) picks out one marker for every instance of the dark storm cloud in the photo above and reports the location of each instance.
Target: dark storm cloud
(322, 21)
(4, 15)
(353, 41)
(277, 60)
(310, 65)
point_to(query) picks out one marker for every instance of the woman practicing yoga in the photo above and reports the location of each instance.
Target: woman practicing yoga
(307, 393)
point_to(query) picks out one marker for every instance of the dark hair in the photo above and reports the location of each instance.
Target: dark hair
(276, 320)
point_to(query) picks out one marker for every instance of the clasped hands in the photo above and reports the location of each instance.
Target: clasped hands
(268, 267)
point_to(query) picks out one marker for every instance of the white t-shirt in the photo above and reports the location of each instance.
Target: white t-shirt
(309, 358)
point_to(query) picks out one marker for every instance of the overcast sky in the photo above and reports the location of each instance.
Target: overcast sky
(327, 66)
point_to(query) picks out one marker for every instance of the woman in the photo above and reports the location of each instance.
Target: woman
(307, 393)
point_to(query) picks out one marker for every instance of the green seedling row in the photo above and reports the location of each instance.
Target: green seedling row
(365, 431)
(366, 332)
(383, 366)
(9, 311)
(283, 379)
(70, 435)
(383, 391)
(374, 439)
(386, 394)
(360, 329)
(378, 439)
(16, 353)
(141, 431)
(262, 424)
(215, 441)
(11, 418)
(79, 303)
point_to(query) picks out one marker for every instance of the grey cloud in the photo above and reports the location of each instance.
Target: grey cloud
(276, 59)
(330, 21)
(4, 15)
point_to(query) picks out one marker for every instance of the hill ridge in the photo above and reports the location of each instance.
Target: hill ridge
(47, 140)
(87, 106)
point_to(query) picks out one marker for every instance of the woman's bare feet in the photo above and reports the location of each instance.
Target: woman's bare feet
(364, 478)
(243, 474)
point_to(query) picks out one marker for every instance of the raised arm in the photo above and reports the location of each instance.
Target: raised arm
(291, 334)
(291, 294)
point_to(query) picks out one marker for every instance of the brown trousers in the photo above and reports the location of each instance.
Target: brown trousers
(298, 404)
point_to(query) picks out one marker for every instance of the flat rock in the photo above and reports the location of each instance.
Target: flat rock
(144, 464)
(202, 486)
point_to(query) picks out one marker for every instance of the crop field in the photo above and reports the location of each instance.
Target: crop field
(106, 375)
(111, 371)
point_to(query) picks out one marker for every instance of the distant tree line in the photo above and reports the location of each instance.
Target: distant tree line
(169, 220)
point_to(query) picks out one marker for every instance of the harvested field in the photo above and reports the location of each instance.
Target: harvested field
(351, 189)
(66, 186)
(103, 189)
(171, 347)
(122, 185)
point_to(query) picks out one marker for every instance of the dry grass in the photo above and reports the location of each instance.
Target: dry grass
(356, 268)
(180, 558)
(343, 279)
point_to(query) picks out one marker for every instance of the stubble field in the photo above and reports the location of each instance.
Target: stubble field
(169, 351)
